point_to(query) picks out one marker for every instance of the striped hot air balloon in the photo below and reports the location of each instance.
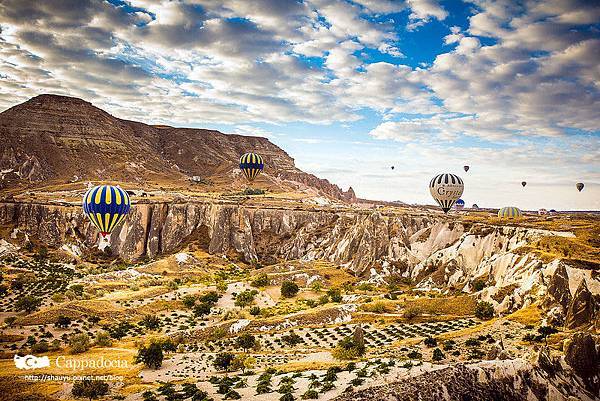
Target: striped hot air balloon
(251, 165)
(510, 212)
(446, 189)
(106, 206)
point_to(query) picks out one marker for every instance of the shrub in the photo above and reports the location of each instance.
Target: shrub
(90, 389)
(62, 322)
(478, 285)
(246, 341)
(484, 310)
(245, 298)
(430, 342)
(310, 395)
(223, 361)
(189, 301)
(103, 339)
(335, 295)
(28, 303)
(79, 343)
(262, 280)
(255, 311)
(40, 347)
(412, 312)
(349, 348)
(291, 339)
(151, 356)
(151, 322)
(202, 309)
(289, 289)
(438, 355)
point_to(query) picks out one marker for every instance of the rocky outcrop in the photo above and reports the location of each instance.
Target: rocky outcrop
(429, 249)
(582, 353)
(582, 308)
(67, 139)
(510, 380)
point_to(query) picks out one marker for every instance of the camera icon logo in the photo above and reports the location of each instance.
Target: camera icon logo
(31, 362)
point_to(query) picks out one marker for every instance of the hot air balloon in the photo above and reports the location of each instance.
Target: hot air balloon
(251, 165)
(106, 206)
(542, 212)
(466, 168)
(523, 183)
(510, 212)
(446, 189)
(392, 167)
(460, 204)
(580, 186)
(475, 206)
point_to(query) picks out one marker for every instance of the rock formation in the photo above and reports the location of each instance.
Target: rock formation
(582, 308)
(64, 139)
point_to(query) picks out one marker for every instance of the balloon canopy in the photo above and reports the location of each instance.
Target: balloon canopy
(446, 189)
(510, 212)
(251, 165)
(106, 206)
(580, 186)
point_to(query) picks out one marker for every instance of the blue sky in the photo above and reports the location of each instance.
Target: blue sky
(347, 88)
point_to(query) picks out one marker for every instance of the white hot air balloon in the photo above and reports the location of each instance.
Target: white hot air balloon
(446, 189)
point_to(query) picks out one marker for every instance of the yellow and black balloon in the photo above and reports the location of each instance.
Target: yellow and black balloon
(106, 206)
(510, 212)
(251, 165)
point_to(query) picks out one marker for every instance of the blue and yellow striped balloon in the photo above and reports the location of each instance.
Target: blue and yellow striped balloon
(510, 212)
(251, 165)
(106, 206)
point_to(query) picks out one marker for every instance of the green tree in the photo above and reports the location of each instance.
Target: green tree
(246, 341)
(103, 339)
(79, 343)
(189, 301)
(28, 303)
(484, 310)
(335, 294)
(438, 355)
(151, 356)
(90, 389)
(62, 322)
(202, 309)
(223, 361)
(245, 298)
(289, 289)
(262, 280)
(151, 322)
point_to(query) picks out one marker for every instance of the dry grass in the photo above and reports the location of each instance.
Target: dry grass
(529, 315)
(453, 306)
(74, 310)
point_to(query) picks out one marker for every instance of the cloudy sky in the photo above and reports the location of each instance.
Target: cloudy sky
(348, 88)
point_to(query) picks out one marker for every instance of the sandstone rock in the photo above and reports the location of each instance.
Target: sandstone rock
(582, 355)
(582, 307)
(558, 288)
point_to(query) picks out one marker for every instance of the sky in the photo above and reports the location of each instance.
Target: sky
(348, 88)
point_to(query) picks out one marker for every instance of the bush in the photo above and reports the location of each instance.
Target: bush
(223, 361)
(262, 280)
(28, 303)
(255, 311)
(348, 348)
(289, 289)
(245, 298)
(40, 347)
(103, 339)
(430, 342)
(438, 355)
(478, 285)
(62, 322)
(151, 356)
(90, 389)
(335, 295)
(151, 322)
(291, 339)
(79, 343)
(484, 310)
(412, 312)
(246, 341)
(189, 301)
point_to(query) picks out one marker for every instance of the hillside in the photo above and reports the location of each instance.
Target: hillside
(57, 139)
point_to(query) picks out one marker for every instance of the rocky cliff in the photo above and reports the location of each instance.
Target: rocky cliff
(63, 139)
(431, 250)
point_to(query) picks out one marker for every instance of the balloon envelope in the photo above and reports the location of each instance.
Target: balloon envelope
(446, 189)
(580, 186)
(251, 165)
(510, 212)
(106, 206)
(466, 168)
(523, 183)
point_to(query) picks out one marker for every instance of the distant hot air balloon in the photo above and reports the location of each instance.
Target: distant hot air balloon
(106, 206)
(466, 168)
(475, 206)
(392, 167)
(580, 186)
(523, 183)
(446, 189)
(542, 212)
(251, 165)
(460, 204)
(510, 212)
